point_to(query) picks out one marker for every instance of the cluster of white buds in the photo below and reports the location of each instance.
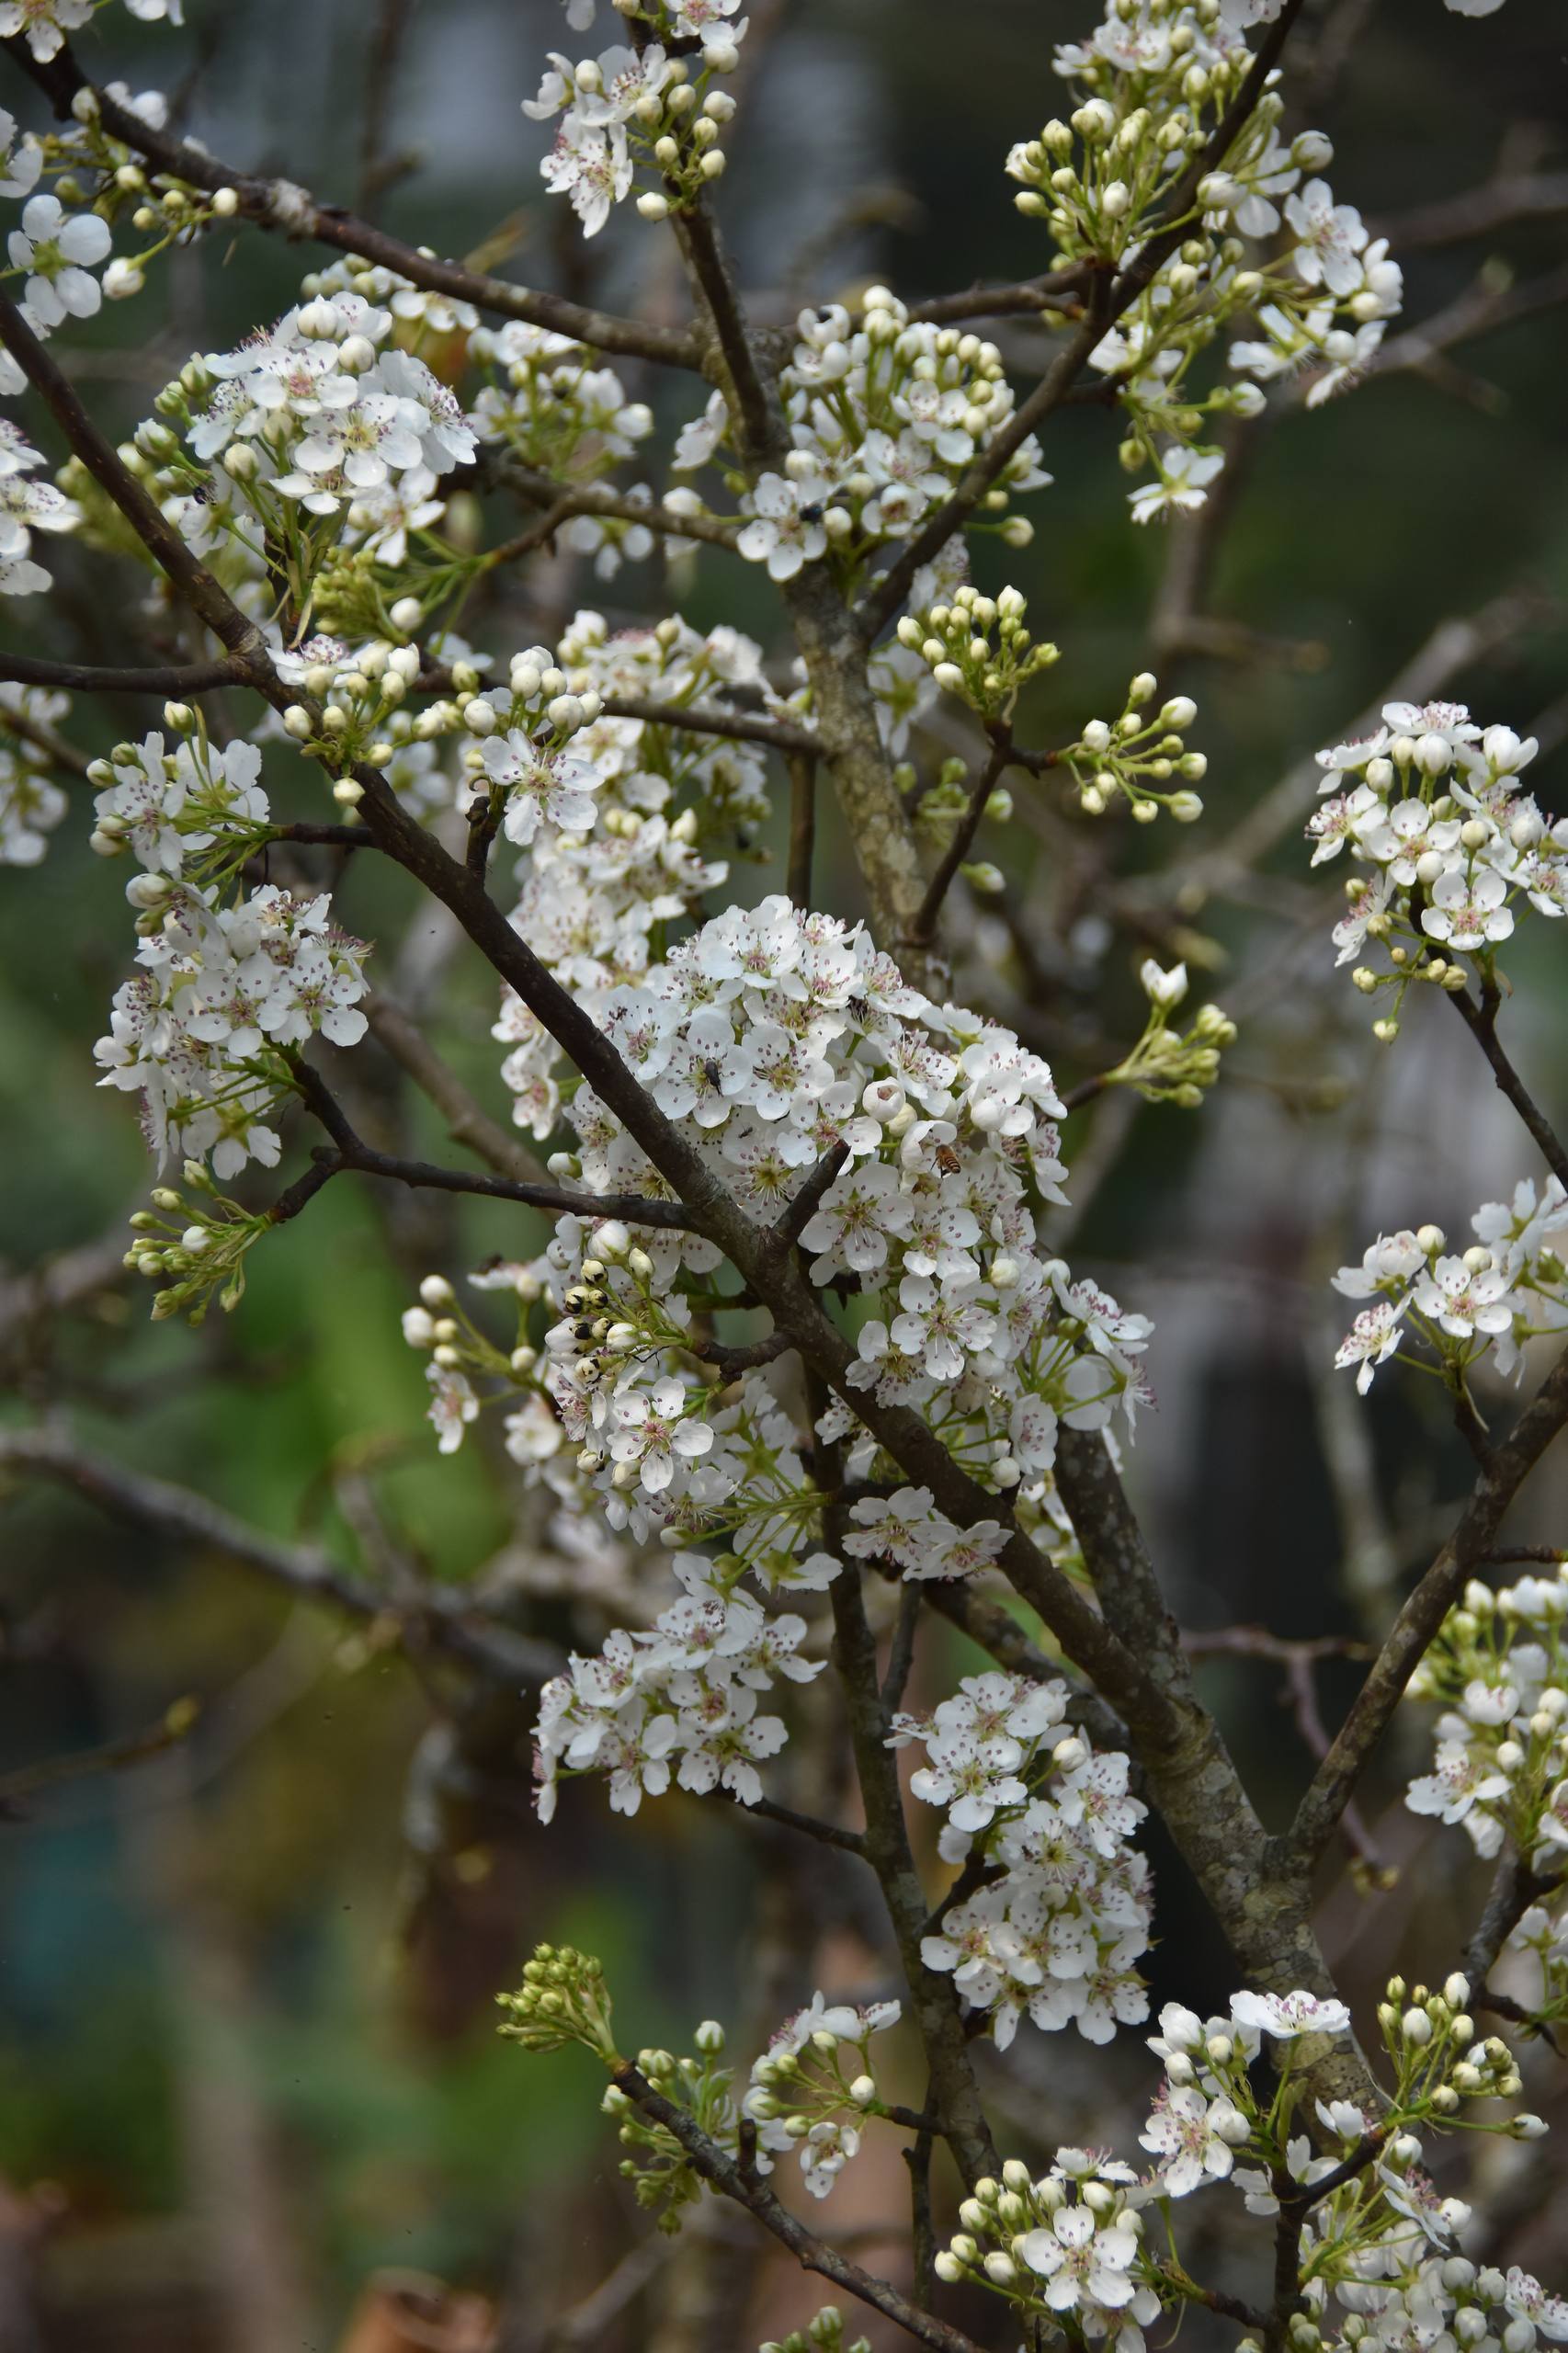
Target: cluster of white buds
(1138, 759)
(168, 210)
(979, 648)
(359, 696)
(1498, 1669)
(1430, 2038)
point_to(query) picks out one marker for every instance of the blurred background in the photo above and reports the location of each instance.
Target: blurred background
(248, 2070)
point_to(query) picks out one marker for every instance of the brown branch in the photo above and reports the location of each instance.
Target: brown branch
(1476, 212)
(1055, 290)
(84, 677)
(802, 1206)
(281, 205)
(810, 1825)
(1418, 1621)
(743, 726)
(749, 2190)
(1516, 1885)
(354, 1153)
(802, 769)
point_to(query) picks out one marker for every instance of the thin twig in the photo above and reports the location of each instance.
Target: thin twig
(923, 931)
(354, 1153)
(54, 1772)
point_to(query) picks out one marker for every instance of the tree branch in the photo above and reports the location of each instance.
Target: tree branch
(743, 726)
(84, 1763)
(749, 2190)
(354, 1153)
(441, 1616)
(281, 205)
(84, 677)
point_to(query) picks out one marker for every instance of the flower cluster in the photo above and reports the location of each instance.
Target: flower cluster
(1431, 803)
(659, 2167)
(202, 1032)
(1499, 1671)
(641, 106)
(806, 2091)
(1508, 1287)
(773, 1040)
(563, 1999)
(166, 808)
(884, 411)
(1065, 1911)
(26, 507)
(1154, 81)
(813, 2087)
(321, 427)
(1067, 2248)
(30, 806)
(681, 1696)
(662, 800)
